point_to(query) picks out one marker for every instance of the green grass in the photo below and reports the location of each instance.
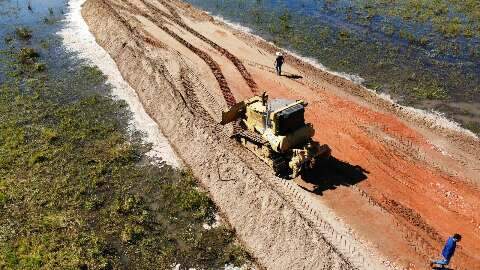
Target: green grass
(431, 92)
(27, 55)
(73, 191)
(473, 126)
(452, 18)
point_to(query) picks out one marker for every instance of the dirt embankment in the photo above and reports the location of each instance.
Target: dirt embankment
(277, 235)
(399, 183)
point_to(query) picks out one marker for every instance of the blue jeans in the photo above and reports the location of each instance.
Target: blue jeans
(442, 262)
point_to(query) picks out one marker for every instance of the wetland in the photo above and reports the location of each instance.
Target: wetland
(77, 190)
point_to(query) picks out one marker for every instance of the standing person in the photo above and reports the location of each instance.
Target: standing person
(279, 62)
(448, 250)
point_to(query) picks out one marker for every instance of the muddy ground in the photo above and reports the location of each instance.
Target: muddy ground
(398, 184)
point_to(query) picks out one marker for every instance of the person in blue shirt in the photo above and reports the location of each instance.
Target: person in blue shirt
(448, 250)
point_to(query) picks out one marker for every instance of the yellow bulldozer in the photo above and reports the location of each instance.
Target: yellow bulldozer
(275, 131)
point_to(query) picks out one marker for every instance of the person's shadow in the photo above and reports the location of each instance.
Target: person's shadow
(441, 268)
(293, 76)
(329, 173)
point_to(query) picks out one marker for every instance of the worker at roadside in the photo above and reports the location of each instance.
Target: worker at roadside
(448, 250)
(278, 63)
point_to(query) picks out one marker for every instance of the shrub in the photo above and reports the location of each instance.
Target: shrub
(473, 126)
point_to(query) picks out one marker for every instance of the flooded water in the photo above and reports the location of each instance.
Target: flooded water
(409, 59)
(64, 42)
(41, 18)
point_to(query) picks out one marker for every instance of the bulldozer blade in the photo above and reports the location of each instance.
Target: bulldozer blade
(234, 113)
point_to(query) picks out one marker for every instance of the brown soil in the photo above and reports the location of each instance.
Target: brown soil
(398, 184)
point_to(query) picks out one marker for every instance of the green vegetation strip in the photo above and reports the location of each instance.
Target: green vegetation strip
(76, 190)
(450, 17)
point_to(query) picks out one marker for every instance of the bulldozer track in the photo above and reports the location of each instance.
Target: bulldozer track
(190, 101)
(235, 61)
(214, 66)
(252, 136)
(172, 10)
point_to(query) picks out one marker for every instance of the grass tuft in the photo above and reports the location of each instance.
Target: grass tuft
(23, 33)
(27, 55)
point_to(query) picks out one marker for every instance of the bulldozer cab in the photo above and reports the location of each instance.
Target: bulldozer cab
(281, 116)
(286, 116)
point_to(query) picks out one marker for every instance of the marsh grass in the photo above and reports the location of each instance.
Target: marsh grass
(49, 20)
(23, 33)
(431, 92)
(473, 126)
(27, 55)
(452, 18)
(75, 192)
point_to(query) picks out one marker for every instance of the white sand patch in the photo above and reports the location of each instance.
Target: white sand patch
(243, 267)
(77, 38)
(433, 119)
(231, 24)
(215, 224)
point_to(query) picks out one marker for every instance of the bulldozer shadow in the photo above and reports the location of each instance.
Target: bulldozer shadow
(331, 173)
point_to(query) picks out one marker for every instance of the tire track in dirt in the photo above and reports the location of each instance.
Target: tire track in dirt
(212, 64)
(415, 230)
(420, 235)
(214, 67)
(235, 61)
(187, 78)
(190, 101)
(172, 10)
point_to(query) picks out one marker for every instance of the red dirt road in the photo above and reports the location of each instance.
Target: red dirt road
(400, 186)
